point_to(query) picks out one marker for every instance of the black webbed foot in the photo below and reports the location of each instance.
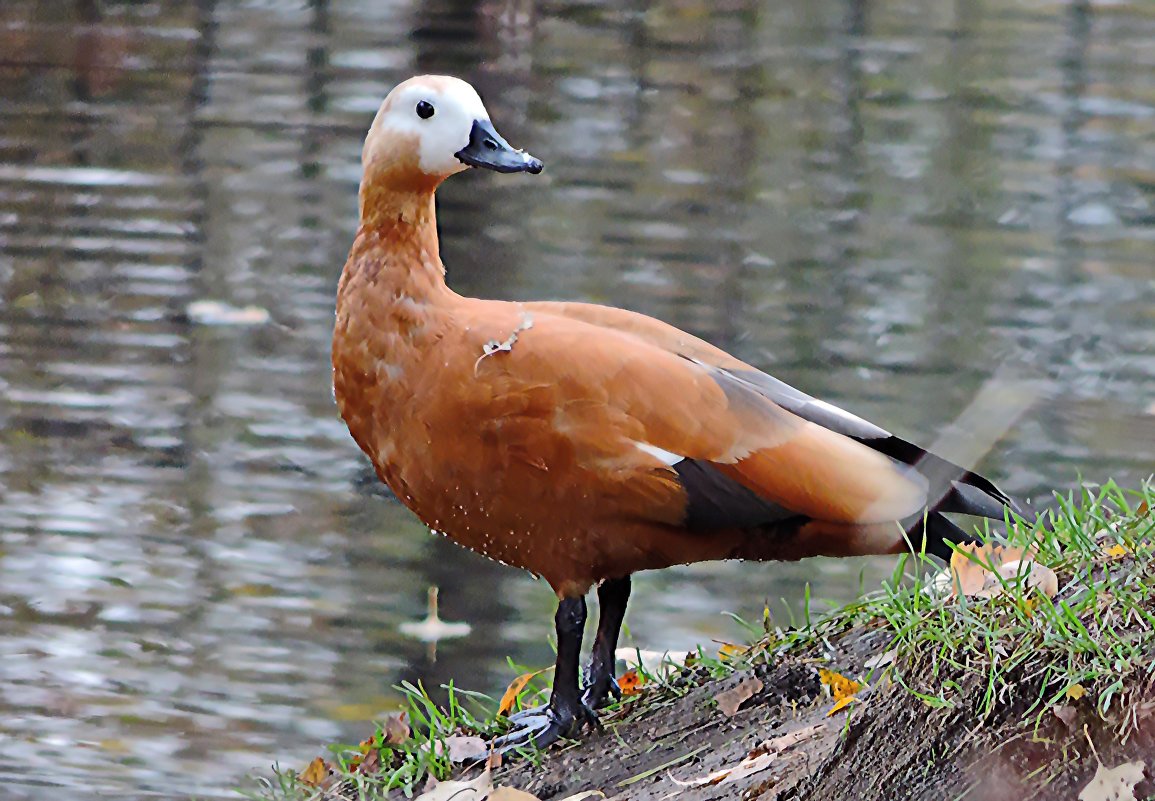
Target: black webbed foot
(541, 727)
(602, 690)
(529, 712)
(570, 708)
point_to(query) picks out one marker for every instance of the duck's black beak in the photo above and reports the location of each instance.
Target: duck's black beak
(487, 149)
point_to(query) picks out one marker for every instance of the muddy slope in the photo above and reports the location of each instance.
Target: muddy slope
(891, 745)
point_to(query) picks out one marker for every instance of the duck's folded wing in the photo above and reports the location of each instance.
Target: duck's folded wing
(952, 488)
(742, 459)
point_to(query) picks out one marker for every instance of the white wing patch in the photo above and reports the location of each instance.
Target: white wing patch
(663, 456)
(845, 415)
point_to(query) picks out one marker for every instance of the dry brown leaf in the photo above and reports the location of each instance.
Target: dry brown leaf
(979, 571)
(1066, 714)
(583, 795)
(1113, 784)
(509, 698)
(759, 759)
(395, 728)
(475, 790)
(493, 760)
(315, 773)
(511, 794)
(1037, 576)
(370, 763)
(880, 660)
(369, 758)
(462, 748)
(730, 700)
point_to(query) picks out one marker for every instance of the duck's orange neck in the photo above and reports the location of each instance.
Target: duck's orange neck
(396, 254)
(392, 307)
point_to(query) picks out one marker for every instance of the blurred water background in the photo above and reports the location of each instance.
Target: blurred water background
(881, 202)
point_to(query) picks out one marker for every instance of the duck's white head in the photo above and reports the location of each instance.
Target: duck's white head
(433, 126)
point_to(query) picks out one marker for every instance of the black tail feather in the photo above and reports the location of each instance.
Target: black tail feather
(939, 533)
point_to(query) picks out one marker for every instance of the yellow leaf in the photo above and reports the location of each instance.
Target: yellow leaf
(1116, 551)
(729, 650)
(841, 704)
(509, 698)
(1075, 692)
(315, 773)
(840, 686)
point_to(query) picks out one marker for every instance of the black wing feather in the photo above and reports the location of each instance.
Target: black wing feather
(716, 501)
(956, 488)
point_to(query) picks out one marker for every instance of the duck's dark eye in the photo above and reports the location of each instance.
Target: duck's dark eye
(424, 109)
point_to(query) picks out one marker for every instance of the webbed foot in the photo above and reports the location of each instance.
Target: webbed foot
(541, 727)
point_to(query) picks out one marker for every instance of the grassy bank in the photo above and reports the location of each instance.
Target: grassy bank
(1017, 674)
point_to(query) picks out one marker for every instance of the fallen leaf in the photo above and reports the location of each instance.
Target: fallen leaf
(509, 698)
(511, 794)
(370, 763)
(729, 650)
(840, 686)
(369, 757)
(841, 704)
(630, 682)
(1075, 692)
(584, 794)
(475, 790)
(881, 660)
(462, 748)
(980, 571)
(395, 728)
(1039, 577)
(759, 759)
(730, 700)
(1113, 784)
(315, 773)
(1142, 509)
(1116, 551)
(1066, 714)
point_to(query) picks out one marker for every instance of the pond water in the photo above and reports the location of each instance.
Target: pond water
(883, 203)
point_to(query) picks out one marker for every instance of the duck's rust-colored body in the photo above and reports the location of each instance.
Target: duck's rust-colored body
(585, 443)
(516, 428)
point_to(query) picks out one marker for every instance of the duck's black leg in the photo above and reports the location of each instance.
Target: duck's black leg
(565, 713)
(613, 595)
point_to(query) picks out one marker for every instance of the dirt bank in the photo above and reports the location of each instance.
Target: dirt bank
(887, 745)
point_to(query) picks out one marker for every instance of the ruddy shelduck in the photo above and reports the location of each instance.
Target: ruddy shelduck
(584, 443)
